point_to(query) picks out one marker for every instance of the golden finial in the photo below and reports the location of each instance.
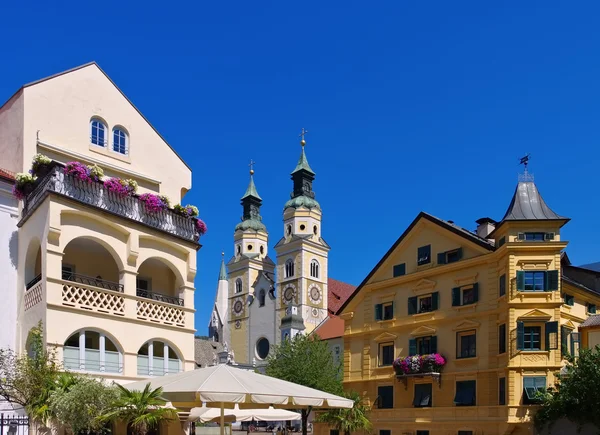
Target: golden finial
(252, 163)
(303, 142)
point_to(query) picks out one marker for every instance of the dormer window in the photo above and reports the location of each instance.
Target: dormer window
(120, 141)
(97, 132)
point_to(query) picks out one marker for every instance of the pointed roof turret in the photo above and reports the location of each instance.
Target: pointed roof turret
(251, 190)
(251, 202)
(303, 177)
(223, 271)
(303, 162)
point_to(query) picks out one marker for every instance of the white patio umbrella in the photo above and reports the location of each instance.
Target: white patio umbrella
(236, 414)
(223, 386)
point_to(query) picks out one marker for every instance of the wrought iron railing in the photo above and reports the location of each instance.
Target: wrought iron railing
(95, 195)
(96, 282)
(159, 297)
(33, 282)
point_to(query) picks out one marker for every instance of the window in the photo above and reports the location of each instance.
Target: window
(465, 432)
(532, 338)
(423, 304)
(532, 385)
(501, 241)
(261, 298)
(334, 432)
(502, 338)
(262, 348)
(568, 299)
(466, 344)
(422, 397)
(384, 311)
(450, 256)
(465, 393)
(422, 432)
(91, 351)
(565, 335)
(422, 345)
(465, 295)
(143, 283)
(156, 358)
(591, 308)
(424, 255)
(502, 285)
(532, 237)
(386, 397)
(529, 336)
(386, 354)
(120, 140)
(502, 391)
(385, 432)
(98, 133)
(537, 281)
(289, 268)
(314, 268)
(238, 285)
(400, 269)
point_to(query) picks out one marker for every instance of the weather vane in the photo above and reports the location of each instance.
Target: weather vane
(525, 160)
(252, 163)
(303, 142)
(526, 176)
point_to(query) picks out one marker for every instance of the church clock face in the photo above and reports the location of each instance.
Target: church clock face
(315, 294)
(288, 295)
(237, 307)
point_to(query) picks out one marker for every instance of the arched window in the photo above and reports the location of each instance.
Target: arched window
(289, 268)
(93, 352)
(262, 348)
(314, 269)
(261, 298)
(120, 141)
(97, 132)
(156, 358)
(238, 285)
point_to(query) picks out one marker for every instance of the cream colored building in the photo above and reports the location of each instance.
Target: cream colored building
(112, 284)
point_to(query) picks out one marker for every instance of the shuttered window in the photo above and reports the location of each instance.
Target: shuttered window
(529, 281)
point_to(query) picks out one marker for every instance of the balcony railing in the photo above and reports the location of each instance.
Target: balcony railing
(96, 282)
(95, 195)
(33, 282)
(159, 297)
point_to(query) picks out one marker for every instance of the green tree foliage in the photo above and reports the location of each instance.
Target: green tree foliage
(305, 360)
(347, 420)
(141, 410)
(28, 379)
(576, 394)
(79, 404)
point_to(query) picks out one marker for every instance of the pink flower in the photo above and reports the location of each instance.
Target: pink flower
(17, 192)
(78, 170)
(153, 202)
(200, 226)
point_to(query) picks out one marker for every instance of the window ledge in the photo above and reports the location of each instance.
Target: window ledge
(466, 360)
(109, 153)
(387, 367)
(464, 307)
(393, 319)
(532, 352)
(425, 314)
(567, 307)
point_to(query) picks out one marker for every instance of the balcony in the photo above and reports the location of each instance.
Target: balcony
(94, 194)
(159, 297)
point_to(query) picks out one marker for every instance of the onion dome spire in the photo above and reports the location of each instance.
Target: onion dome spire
(303, 177)
(251, 202)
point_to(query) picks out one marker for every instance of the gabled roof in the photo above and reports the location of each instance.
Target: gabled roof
(585, 279)
(331, 327)
(592, 266)
(472, 237)
(337, 294)
(36, 82)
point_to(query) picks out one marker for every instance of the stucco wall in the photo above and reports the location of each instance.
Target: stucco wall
(11, 133)
(8, 266)
(262, 320)
(61, 109)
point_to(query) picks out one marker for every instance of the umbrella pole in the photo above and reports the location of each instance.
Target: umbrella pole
(222, 419)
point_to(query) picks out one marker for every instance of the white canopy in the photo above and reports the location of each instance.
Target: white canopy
(225, 385)
(271, 414)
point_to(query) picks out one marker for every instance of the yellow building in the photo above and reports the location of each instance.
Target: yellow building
(490, 301)
(111, 281)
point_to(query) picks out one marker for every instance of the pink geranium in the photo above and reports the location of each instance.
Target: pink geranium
(200, 226)
(153, 202)
(78, 170)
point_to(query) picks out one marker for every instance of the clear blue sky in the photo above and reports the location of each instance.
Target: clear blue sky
(410, 106)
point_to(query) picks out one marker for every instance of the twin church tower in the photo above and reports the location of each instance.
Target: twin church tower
(260, 302)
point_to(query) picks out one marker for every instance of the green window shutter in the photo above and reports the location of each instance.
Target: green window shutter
(433, 344)
(520, 236)
(591, 308)
(551, 280)
(378, 312)
(435, 301)
(442, 258)
(456, 297)
(476, 291)
(412, 305)
(564, 335)
(571, 300)
(412, 347)
(549, 236)
(574, 339)
(459, 253)
(393, 309)
(502, 285)
(520, 280)
(551, 335)
(520, 335)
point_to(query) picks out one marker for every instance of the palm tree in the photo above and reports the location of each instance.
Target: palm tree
(348, 420)
(141, 410)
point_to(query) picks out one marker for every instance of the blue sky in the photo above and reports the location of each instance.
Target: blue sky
(410, 106)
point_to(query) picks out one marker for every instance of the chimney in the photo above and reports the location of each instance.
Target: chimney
(485, 226)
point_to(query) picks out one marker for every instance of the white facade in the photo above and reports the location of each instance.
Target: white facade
(262, 324)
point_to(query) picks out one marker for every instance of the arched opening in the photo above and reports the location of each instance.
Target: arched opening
(120, 141)
(157, 358)
(98, 132)
(314, 268)
(261, 298)
(92, 351)
(238, 285)
(33, 264)
(289, 268)
(88, 262)
(156, 280)
(262, 348)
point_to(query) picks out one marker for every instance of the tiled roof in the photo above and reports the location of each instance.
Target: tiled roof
(591, 321)
(339, 292)
(7, 174)
(331, 327)
(205, 350)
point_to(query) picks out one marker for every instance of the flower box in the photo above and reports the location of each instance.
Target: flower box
(419, 364)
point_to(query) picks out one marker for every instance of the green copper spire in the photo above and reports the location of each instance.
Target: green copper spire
(223, 271)
(251, 190)
(251, 202)
(303, 162)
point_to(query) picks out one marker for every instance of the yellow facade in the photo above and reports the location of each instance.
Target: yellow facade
(455, 298)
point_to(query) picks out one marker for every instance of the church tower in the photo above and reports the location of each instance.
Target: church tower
(218, 327)
(251, 302)
(302, 254)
